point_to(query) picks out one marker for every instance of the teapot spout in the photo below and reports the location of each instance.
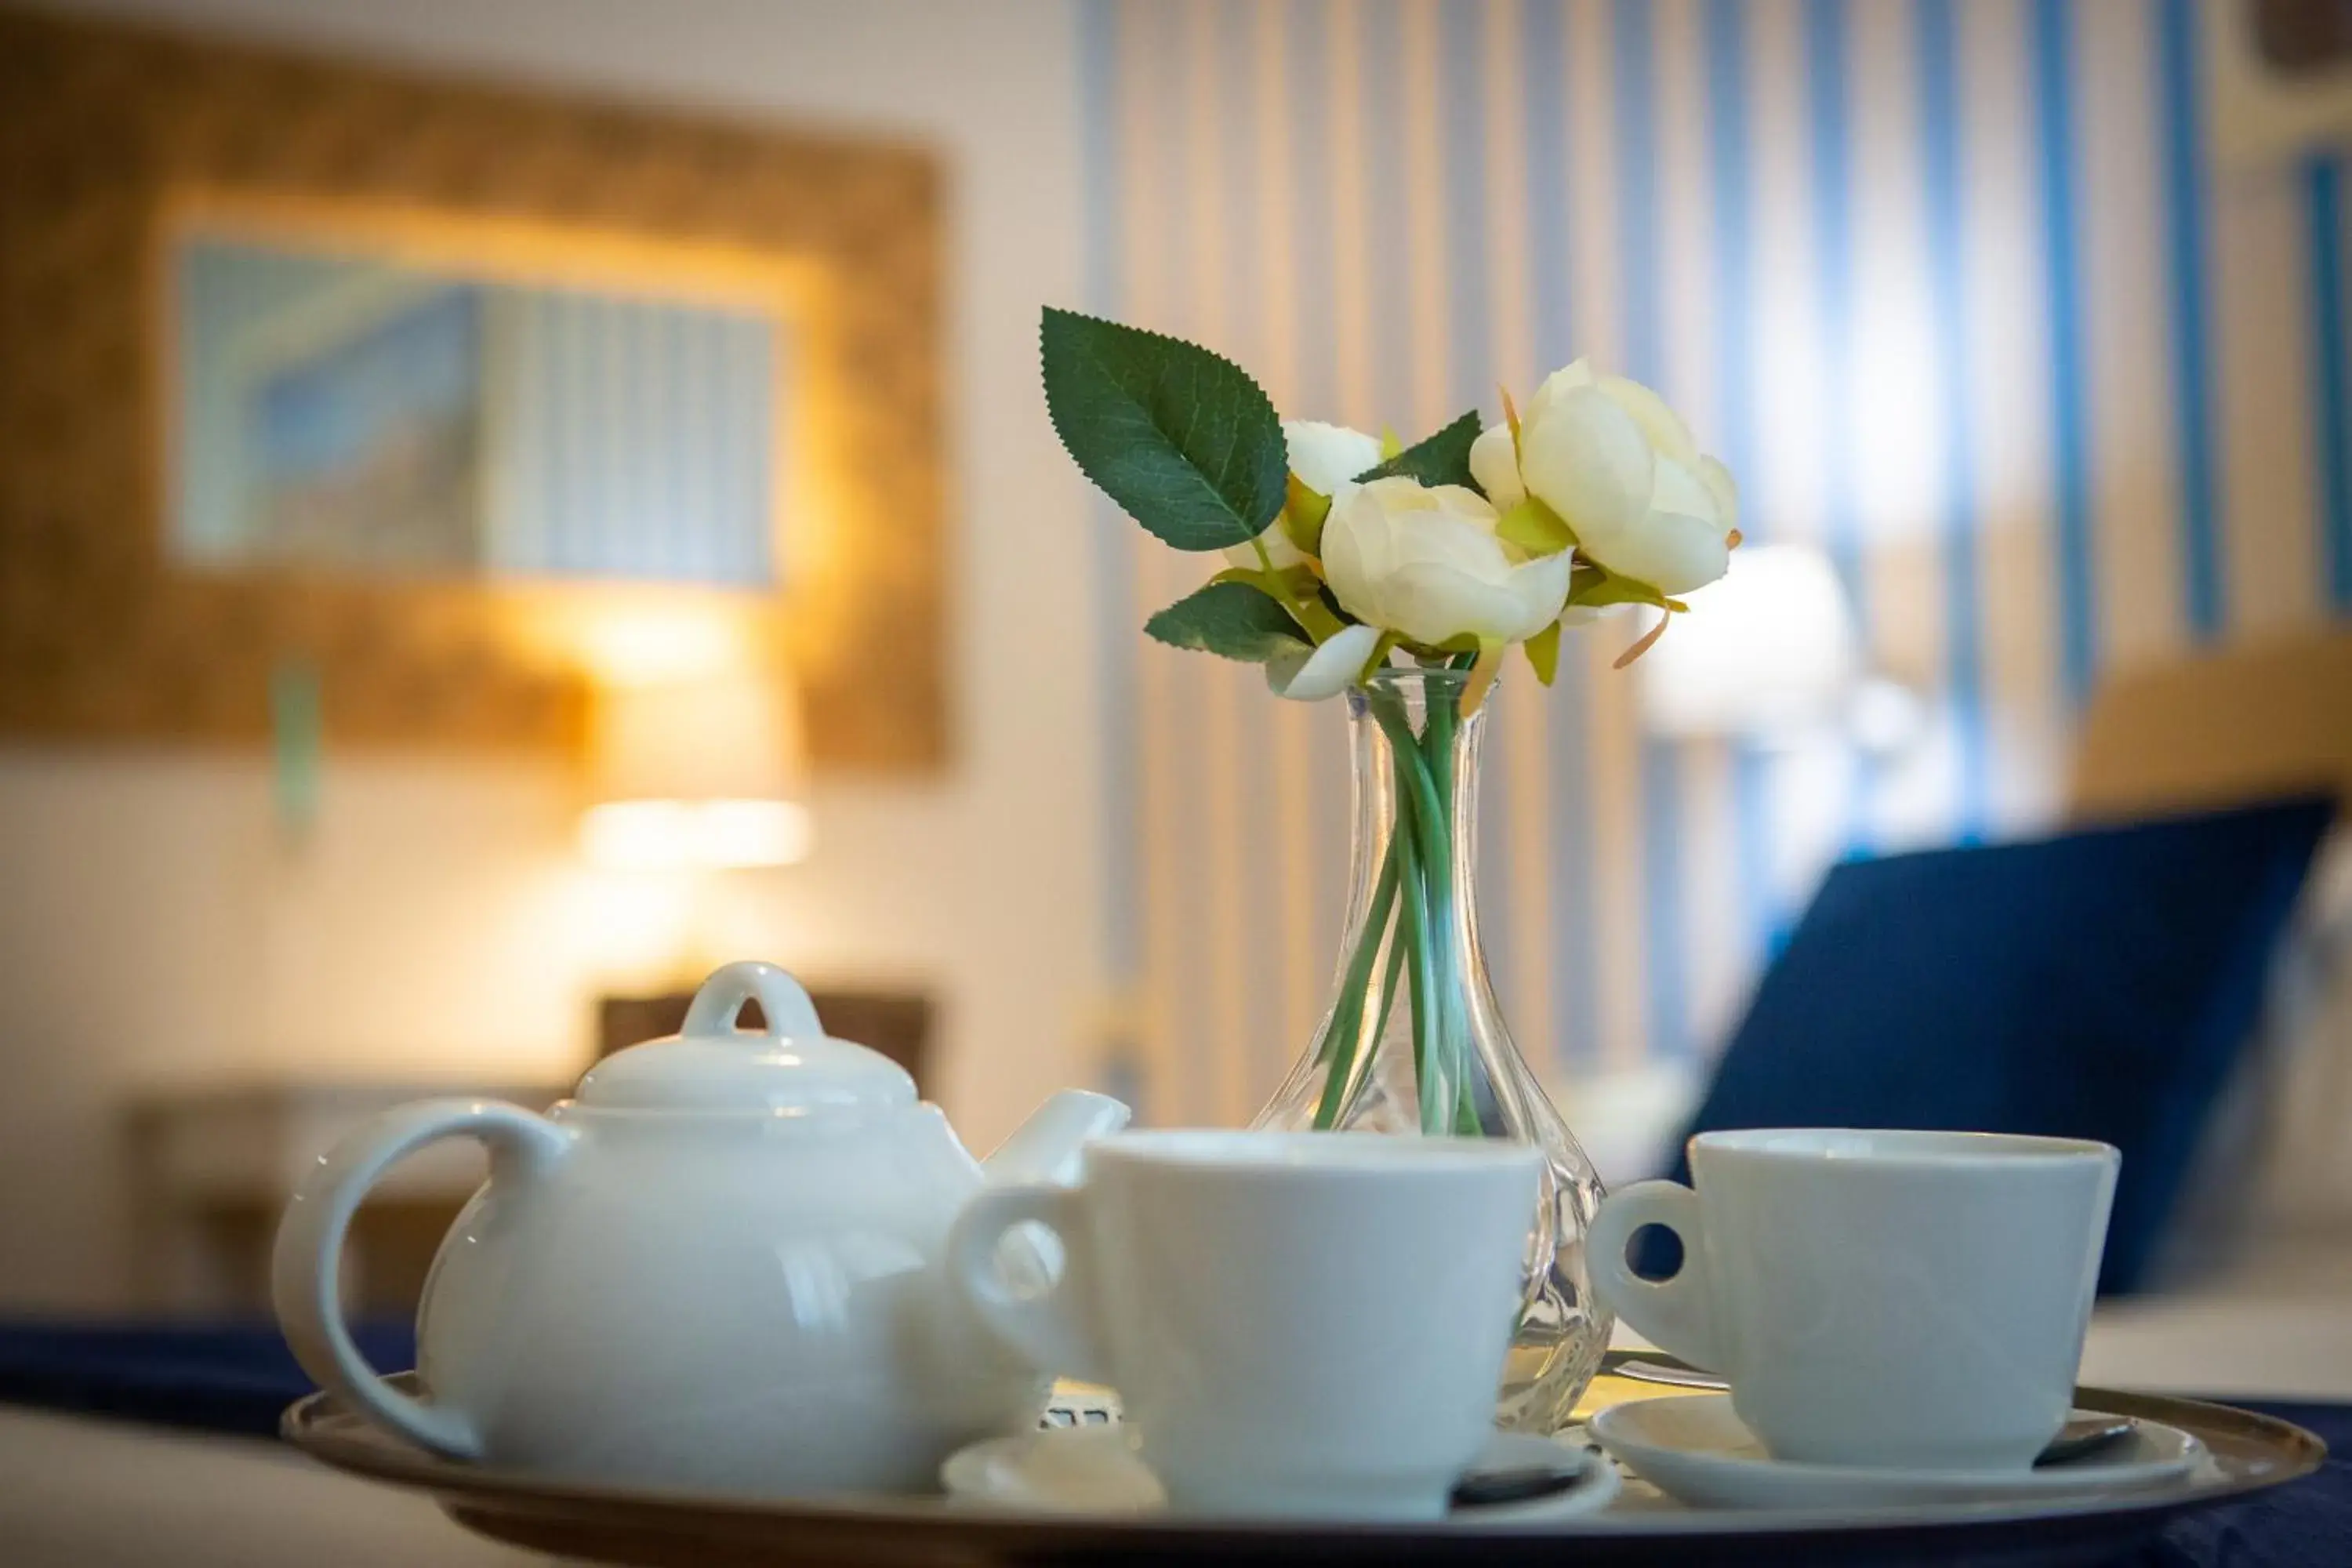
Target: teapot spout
(1045, 1147)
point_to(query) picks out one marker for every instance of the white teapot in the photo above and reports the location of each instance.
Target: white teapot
(718, 1265)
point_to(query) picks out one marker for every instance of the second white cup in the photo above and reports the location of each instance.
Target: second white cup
(1909, 1300)
(1297, 1325)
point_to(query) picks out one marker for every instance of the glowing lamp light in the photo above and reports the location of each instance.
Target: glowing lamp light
(662, 835)
(699, 773)
(1767, 654)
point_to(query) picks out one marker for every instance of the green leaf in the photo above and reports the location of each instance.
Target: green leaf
(1232, 620)
(1543, 654)
(1297, 590)
(1453, 647)
(1442, 460)
(1534, 528)
(1179, 437)
(1303, 513)
(1591, 585)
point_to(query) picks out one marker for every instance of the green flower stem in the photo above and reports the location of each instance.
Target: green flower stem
(1346, 1034)
(1425, 813)
(1412, 911)
(1389, 985)
(1437, 743)
(1421, 977)
(1282, 588)
(1423, 823)
(1419, 811)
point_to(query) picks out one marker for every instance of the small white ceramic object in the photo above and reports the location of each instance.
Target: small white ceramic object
(1074, 1469)
(1886, 1299)
(1097, 1470)
(1297, 1325)
(1696, 1450)
(716, 1266)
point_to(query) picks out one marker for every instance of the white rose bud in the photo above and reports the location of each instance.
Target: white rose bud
(1623, 472)
(1327, 459)
(1425, 563)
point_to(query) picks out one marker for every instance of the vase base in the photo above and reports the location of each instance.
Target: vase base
(1543, 1381)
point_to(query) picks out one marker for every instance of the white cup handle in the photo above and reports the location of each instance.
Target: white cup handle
(1057, 1329)
(305, 1271)
(1674, 1313)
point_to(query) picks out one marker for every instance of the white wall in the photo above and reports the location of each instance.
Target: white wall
(152, 928)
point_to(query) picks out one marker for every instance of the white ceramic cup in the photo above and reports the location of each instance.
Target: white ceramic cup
(1906, 1300)
(1306, 1324)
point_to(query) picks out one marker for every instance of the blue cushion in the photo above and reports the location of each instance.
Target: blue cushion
(2096, 985)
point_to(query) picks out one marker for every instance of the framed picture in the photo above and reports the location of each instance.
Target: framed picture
(413, 384)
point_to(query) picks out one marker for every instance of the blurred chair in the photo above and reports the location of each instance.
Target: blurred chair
(2192, 1002)
(2253, 722)
(2218, 728)
(2101, 982)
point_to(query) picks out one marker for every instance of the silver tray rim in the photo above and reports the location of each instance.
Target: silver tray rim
(530, 1510)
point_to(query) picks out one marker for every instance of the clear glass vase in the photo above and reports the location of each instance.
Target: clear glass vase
(1414, 1043)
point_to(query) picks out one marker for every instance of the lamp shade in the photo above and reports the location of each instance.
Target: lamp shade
(1766, 653)
(698, 771)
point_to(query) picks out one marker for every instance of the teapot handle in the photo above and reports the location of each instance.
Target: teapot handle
(306, 1268)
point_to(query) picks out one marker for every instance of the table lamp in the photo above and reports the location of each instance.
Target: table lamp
(1772, 658)
(703, 771)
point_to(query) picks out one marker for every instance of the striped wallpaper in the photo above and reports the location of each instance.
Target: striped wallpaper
(1949, 282)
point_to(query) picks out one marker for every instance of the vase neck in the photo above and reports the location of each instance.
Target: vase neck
(1408, 732)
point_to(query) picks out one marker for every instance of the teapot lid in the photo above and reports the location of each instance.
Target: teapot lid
(709, 1065)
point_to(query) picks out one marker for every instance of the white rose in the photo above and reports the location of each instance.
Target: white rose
(1623, 472)
(1425, 563)
(1327, 459)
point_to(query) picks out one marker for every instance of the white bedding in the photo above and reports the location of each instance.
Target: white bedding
(2276, 1324)
(78, 1493)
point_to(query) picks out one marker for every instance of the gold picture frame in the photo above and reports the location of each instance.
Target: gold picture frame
(115, 141)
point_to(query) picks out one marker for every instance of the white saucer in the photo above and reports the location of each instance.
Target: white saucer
(1095, 1470)
(1695, 1449)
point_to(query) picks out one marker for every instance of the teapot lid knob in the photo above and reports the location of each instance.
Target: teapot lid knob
(783, 1001)
(791, 1067)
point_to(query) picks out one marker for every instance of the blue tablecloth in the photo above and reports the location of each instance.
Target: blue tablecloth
(239, 1378)
(235, 1377)
(2304, 1524)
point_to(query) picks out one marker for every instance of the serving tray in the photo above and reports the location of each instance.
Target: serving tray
(2250, 1453)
